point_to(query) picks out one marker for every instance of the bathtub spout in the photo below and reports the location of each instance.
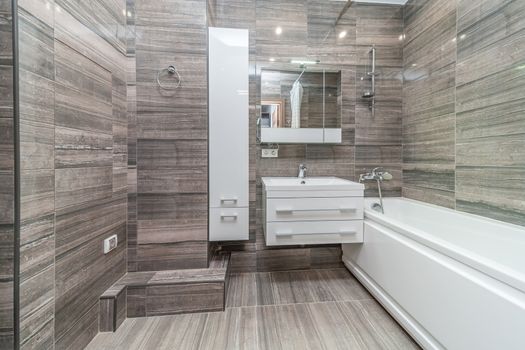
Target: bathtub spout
(378, 175)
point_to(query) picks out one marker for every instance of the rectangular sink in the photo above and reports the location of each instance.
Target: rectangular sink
(328, 183)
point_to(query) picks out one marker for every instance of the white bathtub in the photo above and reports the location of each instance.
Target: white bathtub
(453, 280)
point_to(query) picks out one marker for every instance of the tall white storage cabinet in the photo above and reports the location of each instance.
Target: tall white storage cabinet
(228, 73)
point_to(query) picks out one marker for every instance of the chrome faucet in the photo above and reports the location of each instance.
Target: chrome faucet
(302, 171)
(379, 175)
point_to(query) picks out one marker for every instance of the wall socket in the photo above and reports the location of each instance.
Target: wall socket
(110, 243)
(269, 153)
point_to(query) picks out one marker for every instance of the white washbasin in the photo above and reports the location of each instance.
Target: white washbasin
(309, 183)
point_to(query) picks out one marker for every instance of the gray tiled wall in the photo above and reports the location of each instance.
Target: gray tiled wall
(73, 144)
(171, 137)
(7, 170)
(464, 103)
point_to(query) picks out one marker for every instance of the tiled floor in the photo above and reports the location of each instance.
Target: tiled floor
(314, 309)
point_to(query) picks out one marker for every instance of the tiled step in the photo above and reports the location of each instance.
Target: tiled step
(154, 293)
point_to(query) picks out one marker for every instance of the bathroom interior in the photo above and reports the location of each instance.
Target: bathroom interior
(262, 174)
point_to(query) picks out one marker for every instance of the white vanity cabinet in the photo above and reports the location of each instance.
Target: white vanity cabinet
(319, 210)
(228, 70)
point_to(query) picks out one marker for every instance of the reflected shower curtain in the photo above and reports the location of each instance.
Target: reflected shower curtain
(296, 97)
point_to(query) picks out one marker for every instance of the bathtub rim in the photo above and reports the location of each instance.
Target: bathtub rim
(500, 272)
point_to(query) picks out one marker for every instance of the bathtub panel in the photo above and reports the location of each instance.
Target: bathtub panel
(459, 306)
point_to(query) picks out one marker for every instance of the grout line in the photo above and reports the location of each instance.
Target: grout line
(301, 303)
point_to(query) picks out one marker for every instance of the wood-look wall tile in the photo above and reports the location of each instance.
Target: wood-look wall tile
(170, 256)
(183, 298)
(106, 315)
(429, 94)
(6, 285)
(136, 301)
(483, 190)
(37, 193)
(74, 299)
(172, 231)
(326, 257)
(73, 136)
(291, 16)
(172, 166)
(37, 203)
(283, 259)
(172, 191)
(80, 333)
(489, 120)
(388, 157)
(460, 127)
(103, 17)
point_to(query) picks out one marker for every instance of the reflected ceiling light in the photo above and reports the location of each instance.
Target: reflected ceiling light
(272, 59)
(342, 34)
(463, 36)
(278, 30)
(304, 62)
(414, 64)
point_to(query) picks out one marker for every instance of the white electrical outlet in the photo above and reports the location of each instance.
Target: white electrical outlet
(269, 153)
(110, 243)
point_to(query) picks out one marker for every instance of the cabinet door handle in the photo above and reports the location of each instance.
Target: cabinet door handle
(347, 209)
(230, 216)
(283, 210)
(290, 233)
(233, 200)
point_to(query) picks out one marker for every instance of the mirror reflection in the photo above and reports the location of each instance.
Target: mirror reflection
(303, 98)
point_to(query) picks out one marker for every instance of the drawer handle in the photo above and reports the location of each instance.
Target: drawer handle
(285, 210)
(230, 216)
(233, 200)
(290, 233)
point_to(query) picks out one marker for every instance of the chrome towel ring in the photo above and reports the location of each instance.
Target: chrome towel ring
(171, 71)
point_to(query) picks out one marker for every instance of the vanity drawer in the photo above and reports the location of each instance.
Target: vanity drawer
(229, 224)
(314, 209)
(314, 232)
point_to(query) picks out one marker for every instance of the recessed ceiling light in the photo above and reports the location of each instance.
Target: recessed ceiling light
(278, 30)
(342, 34)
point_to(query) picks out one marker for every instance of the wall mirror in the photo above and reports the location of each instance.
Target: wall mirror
(300, 104)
